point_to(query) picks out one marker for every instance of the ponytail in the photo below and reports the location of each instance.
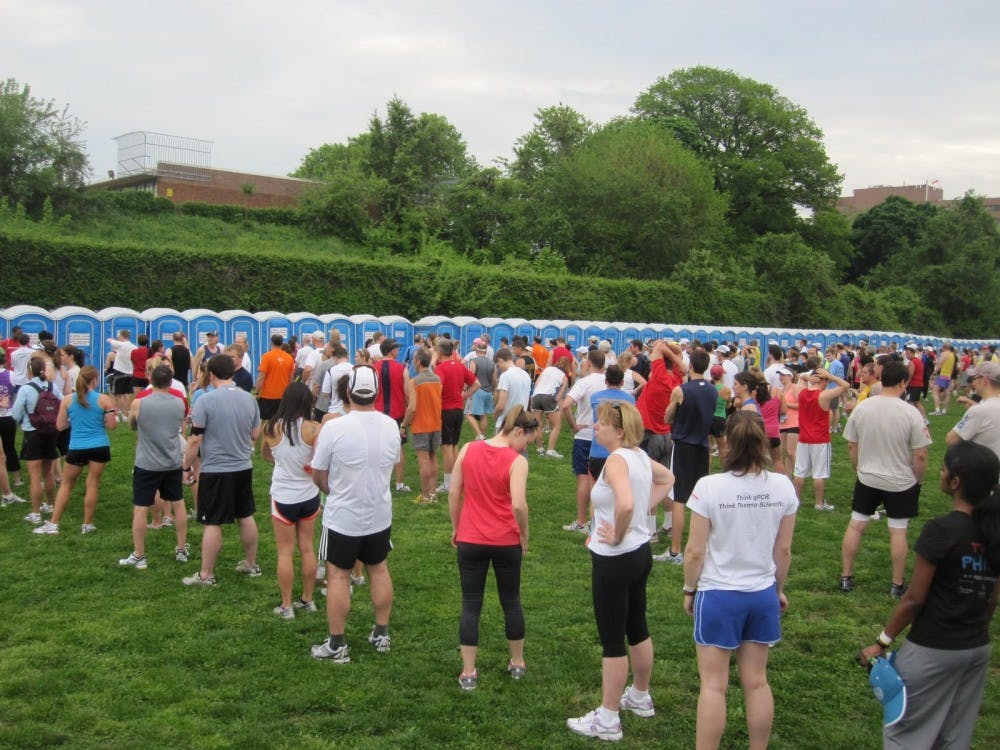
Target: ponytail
(978, 471)
(83, 380)
(987, 517)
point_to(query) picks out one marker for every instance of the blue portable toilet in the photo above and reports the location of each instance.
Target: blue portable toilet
(242, 326)
(32, 320)
(81, 328)
(501, 330)
(591, 328)
(399, 328)
(524, 329)
(113, 320)
(615, 333)
(471, 330)
(163, 323)
(550, 331)
(683, 333)
(728, 336)
(200, 322)
(342, 325)
(365, 327)
(574, 336)
(304, 325)
(272, 322)
(629, 332)
(699, 333)
(463, 341)
(488, 325)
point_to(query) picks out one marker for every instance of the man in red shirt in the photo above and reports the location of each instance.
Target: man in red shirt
(10, 344)
(458, 383)
(812, 456)
(560, 350)
(391, 398)
(917, 381)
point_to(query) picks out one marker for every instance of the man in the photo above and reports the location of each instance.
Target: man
(582, 425)
(813, 453)
(314, 355)
(209, 349)
(613, 379)
(241, 377)
(457, 386)
(690, 413)
(836, 368)
(180, 356)
(157, 417)
(560, 350)
(523, 358)
(340, 368)
(981, 423)
(513, 386)
(375, 346)
(729, 368)
(316, 382)
(775, 361)
(12, 342)
(225, 423)
(944, 371)
(641, 364)
(423, 419)
(391, 400)
(482, 404)
(540, 354)
(277, 368)
(915, 386)
(887, 442)
(122, 386)
(353, 463)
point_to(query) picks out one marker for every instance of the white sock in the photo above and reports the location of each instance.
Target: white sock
(606, 717)
(447, 481)
(637, 693)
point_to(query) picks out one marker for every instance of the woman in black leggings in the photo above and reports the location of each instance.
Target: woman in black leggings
(489, 518)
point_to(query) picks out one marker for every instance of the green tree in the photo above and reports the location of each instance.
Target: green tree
(887, 231)
(631, 201)
(765, 151)
(558, 132)
(41, 155)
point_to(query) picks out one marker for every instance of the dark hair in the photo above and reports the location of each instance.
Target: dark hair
(504, 354)
(775, 351)
(338, 350)
(894, 373)
(812, 363)
(156, 347)
(161, 376)
(748, 445)
(277, 339)
(343, 390)
(75, 353)
(143, 339)
(596, 358)
(759, 386)
(36, 367)
(45, 335)
(23, 339)
(518, 417)
(978, 470)
(296, 403)
(422, 357)
(445, 345)
(614, 376)
(221, 365)
(699, 361)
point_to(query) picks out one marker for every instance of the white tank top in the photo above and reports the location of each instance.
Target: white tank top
(290, 482)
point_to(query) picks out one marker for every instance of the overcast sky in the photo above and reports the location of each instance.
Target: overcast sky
(903, 91)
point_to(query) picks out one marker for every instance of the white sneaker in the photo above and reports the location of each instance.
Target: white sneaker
(285, 613)
(35, 518)
(47, 528)
(541, 451)
(11, 499)
(553, 454)
(357, 580)
(139, 562)
(670, 557)
(581, 527)
(87, 528)
(825, 507)
(400, 487)
(588, 725)
(639, 706)
(441, 489)
(47, 508)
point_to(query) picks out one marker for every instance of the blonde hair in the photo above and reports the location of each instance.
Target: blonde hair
(518, 417)
(621, 415)
(83, 380)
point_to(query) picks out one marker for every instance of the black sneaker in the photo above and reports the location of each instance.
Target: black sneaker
(847, 583)
(896, 590)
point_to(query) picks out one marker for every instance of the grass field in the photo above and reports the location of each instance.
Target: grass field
(97, 656)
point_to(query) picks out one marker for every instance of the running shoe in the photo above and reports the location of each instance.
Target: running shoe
(197, 580)
(358, 580)
(87, 528)
(47, 508)
(517, 671)
(847, 583)
(251, 570)
(400, 487)
(285, 613)
(825, 507)
(583, 528)
(48, 529)
(11, 499)
(380, 642)
(896, 590)
(468, 682)
(589, 725)
(339, 655)
(182, 554)
(138, 562)
(35, 518)
(304, 605)
(670, 557)
(639, 706)
(553, 453)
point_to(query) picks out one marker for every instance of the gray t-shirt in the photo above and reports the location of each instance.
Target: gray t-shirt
(228, 416)
(887, 431)
(159, 445)
(484, 373)
(316, 383)
(981, 424)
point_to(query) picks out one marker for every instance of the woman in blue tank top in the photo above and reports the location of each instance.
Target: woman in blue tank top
(91, 414)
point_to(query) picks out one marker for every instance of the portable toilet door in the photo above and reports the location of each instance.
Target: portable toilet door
(501, 330)
(163, 323)
(244, 328)
(550, 331)
(591, 329)
(471, 331)
(365, 327)
(399, 328)
(427, 325)
(342, 325)
(200, 323)
(81, 328)
(32, 321)
(304, 324)
(524, 329)
(575, 337)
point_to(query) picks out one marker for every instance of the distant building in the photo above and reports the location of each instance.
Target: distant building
(866, 198)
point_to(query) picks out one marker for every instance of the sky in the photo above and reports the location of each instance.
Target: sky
(904, 92)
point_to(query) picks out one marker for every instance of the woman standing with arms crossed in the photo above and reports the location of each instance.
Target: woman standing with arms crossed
(737, 558)
(288, 444)
(948, 606)
(629, 486)
(90, 414)
(489, 519)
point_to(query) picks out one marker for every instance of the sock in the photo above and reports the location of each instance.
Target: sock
(381, 630)
(637, 693)
(336, 641)
(606, 717)
(447, 481)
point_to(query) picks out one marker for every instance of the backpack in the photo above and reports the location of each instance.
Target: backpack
(43, 418)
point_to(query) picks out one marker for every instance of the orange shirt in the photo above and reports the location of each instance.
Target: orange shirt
(427, 390)
(541, 356)
(278, 368)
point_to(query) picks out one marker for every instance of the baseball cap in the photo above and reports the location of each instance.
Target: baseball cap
(988, 370)
(363, 382)
(478, 344)
(889, 689)
(784, 371)
(723, 349)
(911, 346)
(387, 346)
(716, 371)
(213, 333)
(582, 350)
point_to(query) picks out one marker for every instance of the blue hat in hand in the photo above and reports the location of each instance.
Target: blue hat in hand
(888, 688)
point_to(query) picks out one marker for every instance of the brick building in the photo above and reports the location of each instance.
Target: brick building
(866, 198)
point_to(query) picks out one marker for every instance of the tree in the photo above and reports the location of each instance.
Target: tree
(631, 201)
(40, 152)
(764, 151)
(558, 132)
(886, 231)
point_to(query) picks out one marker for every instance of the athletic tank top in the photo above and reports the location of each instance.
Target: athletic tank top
(770, 412)
(487, 515)
(721, 404)
(87, 423)
(791, 415)
(290, 482)
(181, 357)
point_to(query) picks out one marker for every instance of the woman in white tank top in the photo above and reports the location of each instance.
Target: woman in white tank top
(288, 444)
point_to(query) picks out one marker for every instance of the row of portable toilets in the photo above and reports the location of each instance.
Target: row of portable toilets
(89, 330)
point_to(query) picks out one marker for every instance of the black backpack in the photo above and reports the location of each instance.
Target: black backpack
(43, 418)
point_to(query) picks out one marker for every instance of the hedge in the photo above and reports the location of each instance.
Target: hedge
(55, 272)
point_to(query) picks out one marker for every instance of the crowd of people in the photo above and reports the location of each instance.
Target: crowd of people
(647, 425)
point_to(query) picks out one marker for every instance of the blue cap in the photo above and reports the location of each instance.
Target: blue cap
(889, 689)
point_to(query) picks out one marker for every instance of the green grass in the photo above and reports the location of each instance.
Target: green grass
(95, 656)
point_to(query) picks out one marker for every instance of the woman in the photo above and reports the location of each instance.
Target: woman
(156, 357)
(288, 444)
(750, 391)
(549, 390)
(772, 409)
(90, 414)
(628, 488)
(789, 432)
(948, 606)
(489, 520)
(9, 463)
(634, 382)
(38, 450)
(735, 564)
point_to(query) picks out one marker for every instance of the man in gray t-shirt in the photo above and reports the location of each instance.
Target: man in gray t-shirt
(225, 423)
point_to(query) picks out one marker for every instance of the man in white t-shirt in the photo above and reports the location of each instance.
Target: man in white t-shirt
(981, 423)
(315, 355)
(328, 390)
(513, 387)
(353, 463)
(729, 368)
(775, 361)
(887, 442)
(582, 425)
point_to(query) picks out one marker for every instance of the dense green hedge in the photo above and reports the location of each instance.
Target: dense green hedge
(51, 273)
(234, 214)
